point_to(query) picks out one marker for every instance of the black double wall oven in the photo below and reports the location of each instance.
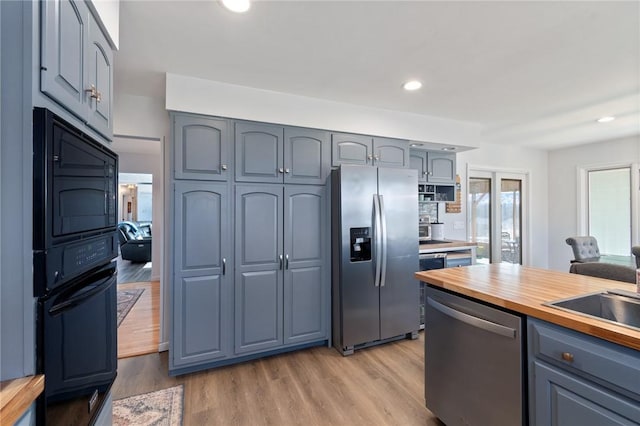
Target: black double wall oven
(74, 246)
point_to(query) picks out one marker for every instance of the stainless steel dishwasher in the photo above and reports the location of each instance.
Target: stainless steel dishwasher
(473, 362)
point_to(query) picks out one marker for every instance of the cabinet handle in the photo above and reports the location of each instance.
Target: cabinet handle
(281, 170)
(224, 266)
(567, 356)
(376, 157)
(280, 261)
(287, 170)
(93, 92)
(224, 167)
(286, 262)
(99, 97)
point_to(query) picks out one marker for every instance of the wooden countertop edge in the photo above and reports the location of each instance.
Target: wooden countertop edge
(591, 326)
(17, 395)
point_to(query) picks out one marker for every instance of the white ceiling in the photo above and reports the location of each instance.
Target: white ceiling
(531, 73)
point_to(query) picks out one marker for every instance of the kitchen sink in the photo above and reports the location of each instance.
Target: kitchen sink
(434, 242)
(617, 306)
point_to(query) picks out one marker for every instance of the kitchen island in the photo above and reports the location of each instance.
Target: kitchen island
(578, 369)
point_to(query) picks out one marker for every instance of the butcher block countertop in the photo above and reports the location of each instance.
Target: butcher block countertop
(524, 290)
(450, 244)
(17, 395)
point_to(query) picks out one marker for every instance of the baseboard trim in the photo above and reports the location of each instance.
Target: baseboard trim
(163, 347)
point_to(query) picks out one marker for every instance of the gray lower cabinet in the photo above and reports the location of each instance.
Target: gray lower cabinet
(575, 379)
(366, 150)
(76, 63)
(202, 293)
(201, 147)
(281, 268)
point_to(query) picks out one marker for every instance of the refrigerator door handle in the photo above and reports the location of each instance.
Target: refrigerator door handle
(383, 223)
(377, 233)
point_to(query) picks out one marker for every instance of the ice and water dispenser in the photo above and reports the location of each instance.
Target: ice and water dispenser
(360, 244)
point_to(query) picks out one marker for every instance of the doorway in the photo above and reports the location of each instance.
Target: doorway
(496, 216)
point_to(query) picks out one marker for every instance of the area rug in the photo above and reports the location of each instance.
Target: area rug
(126, 300)
(160, 408)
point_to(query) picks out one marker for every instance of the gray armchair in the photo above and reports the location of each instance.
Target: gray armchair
(585, 249)
(635, 250)
(609, 271)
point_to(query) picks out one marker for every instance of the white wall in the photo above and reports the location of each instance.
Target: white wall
(515, 159)
(196, 95)
(140, 116)
(563, 188)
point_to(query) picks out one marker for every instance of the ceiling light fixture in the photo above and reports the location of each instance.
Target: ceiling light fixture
(412, 85)
(449, 148)
(413, 145)
(606, 119)
(238, 6)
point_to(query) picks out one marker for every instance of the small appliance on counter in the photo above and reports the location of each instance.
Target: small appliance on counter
(424, 228)
(437, 231)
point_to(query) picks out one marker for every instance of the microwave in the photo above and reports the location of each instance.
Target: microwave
(424, 229)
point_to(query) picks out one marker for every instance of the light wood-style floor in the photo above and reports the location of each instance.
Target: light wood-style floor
(382, 385)
(139, 332)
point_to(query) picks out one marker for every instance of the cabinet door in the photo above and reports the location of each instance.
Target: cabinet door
(201, 147)
(306, 156)
(202, 271)
(441, 168)
(564, 399)
(258, 149)
(99, 65)
(418, 161)
(259, 264)
(391, 153)
(64, 31)
(305, 275)
(351, 149)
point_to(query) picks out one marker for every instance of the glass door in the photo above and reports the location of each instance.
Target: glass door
(495, 215)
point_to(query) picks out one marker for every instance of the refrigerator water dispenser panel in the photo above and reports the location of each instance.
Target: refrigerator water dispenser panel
(360, 244)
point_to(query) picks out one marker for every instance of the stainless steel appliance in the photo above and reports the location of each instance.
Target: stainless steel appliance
(374, 256)
(74, 244)
(427, 262)
(473, 362)
(424, 229)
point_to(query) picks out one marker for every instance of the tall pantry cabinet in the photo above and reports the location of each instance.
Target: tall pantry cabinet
(251, 256)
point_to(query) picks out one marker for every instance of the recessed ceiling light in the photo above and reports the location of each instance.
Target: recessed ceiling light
(606, 119)
(449, 148)
(412, 85)
(238, 6)
(413, 145)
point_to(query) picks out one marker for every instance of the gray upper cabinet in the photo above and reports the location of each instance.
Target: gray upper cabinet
(202, 290)
(306, 156)
(418, 161)
(351, 149)
(441, 168)
(274, 154)
(64, 38)
(259, 153)
(365, 150)
(259, 264)
(100, 75)
(76, 63)
(391, 153)
(201, 147)
(305, 247)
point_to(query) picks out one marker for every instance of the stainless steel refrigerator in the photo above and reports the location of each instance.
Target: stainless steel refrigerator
(374, 255)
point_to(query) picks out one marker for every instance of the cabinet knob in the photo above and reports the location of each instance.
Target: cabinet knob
(287, 170)
(370, 157)
(567, 356)
(281, 170)
(224, 167)
(424, 173)
(376, 157)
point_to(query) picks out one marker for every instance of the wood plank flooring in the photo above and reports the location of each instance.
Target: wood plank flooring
(132, 271)
(139, 332)
(382, 385)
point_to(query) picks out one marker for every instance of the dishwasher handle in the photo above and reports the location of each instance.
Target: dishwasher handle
(473, 321)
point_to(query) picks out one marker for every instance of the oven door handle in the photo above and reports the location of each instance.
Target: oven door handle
(79, 297)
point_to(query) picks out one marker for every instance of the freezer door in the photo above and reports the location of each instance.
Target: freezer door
(399, 290)
(359, 295)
